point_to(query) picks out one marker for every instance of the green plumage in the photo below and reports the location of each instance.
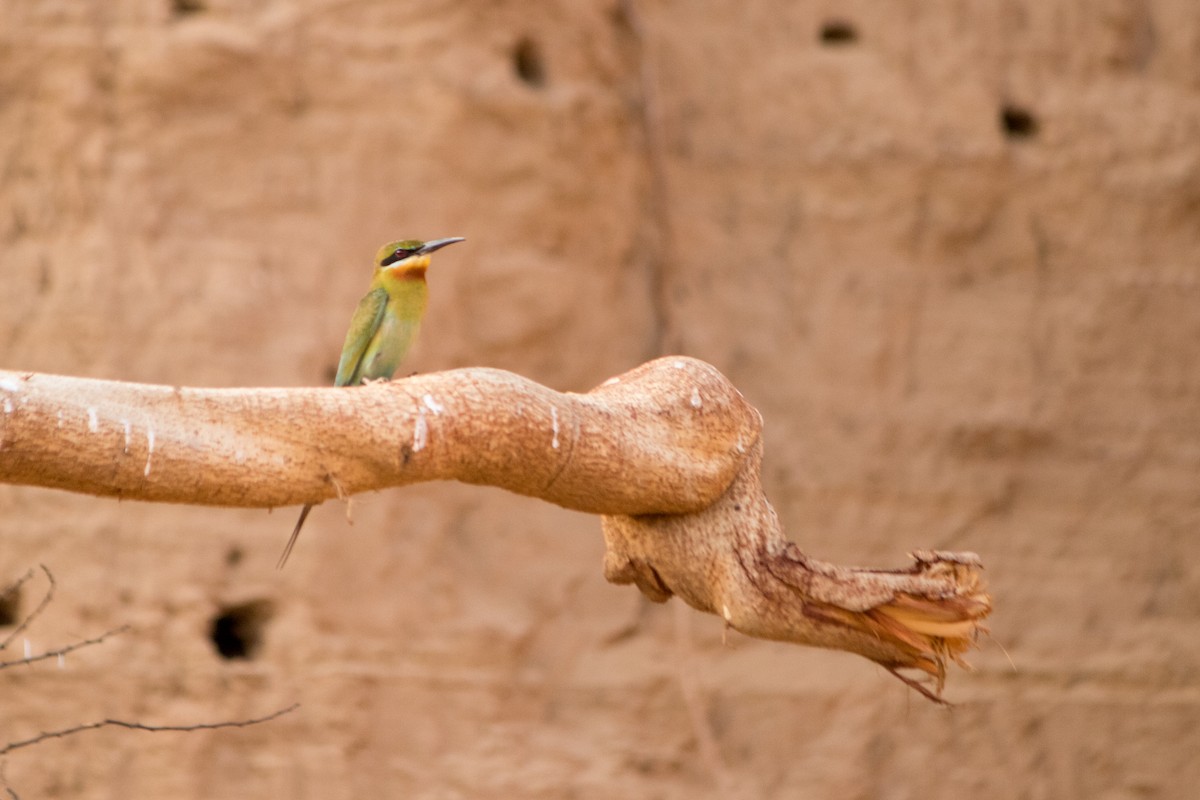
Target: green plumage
(383, 328)
(384, 325)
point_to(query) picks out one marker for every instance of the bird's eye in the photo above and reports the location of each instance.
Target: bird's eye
(399, 254)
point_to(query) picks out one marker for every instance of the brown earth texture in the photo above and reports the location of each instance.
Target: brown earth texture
(950, 250)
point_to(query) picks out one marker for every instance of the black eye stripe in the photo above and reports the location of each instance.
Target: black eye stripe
(399, 255)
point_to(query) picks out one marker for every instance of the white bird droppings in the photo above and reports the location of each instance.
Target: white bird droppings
(696, 402)
(554, 426)
(10, 385)
(420, 432)
(128, 430)
(725, 612)
(93, 421)
(432, 405)
(8, 406)
(149, 450)
(60, 419)
(677, 364)
(611, 382)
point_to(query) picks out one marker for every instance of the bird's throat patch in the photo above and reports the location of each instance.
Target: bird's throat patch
(410, 269)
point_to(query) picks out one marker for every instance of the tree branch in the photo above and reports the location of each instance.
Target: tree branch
(62, 651)
(668, 453)
(32, 615)
(273, 447)
(8, 790)
(139, 726)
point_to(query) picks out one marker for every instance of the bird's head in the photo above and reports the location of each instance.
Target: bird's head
(409, 258)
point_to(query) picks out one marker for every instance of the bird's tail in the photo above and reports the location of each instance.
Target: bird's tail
(287, 550)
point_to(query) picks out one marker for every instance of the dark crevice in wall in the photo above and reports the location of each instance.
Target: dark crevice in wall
(653, 245)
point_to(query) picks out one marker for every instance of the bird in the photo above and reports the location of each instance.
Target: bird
(384, 325)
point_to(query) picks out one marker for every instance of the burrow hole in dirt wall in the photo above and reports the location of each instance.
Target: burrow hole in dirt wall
(528, 62)
(239, 630)
(838, 33)
(1018, 122)
(10, 607)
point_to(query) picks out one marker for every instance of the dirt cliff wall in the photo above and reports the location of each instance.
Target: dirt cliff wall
(948, 249)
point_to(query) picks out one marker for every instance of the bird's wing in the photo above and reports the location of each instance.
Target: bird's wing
(363, 326)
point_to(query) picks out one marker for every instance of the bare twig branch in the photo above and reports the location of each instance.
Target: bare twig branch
(17, 584)
(731, 559)
(4, 774)
(140, 726)
(273, 447)
(669, 454)
(29, 618)
(62, 651)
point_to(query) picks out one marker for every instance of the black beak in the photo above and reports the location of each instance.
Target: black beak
(438, 244)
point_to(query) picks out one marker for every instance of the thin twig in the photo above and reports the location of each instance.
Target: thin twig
(139, 726)
(919, 687)
(4, 766)
(34, 614)
(62, 651)
(17, 583)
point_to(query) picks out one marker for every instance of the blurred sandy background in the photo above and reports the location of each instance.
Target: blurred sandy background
(949, 249)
